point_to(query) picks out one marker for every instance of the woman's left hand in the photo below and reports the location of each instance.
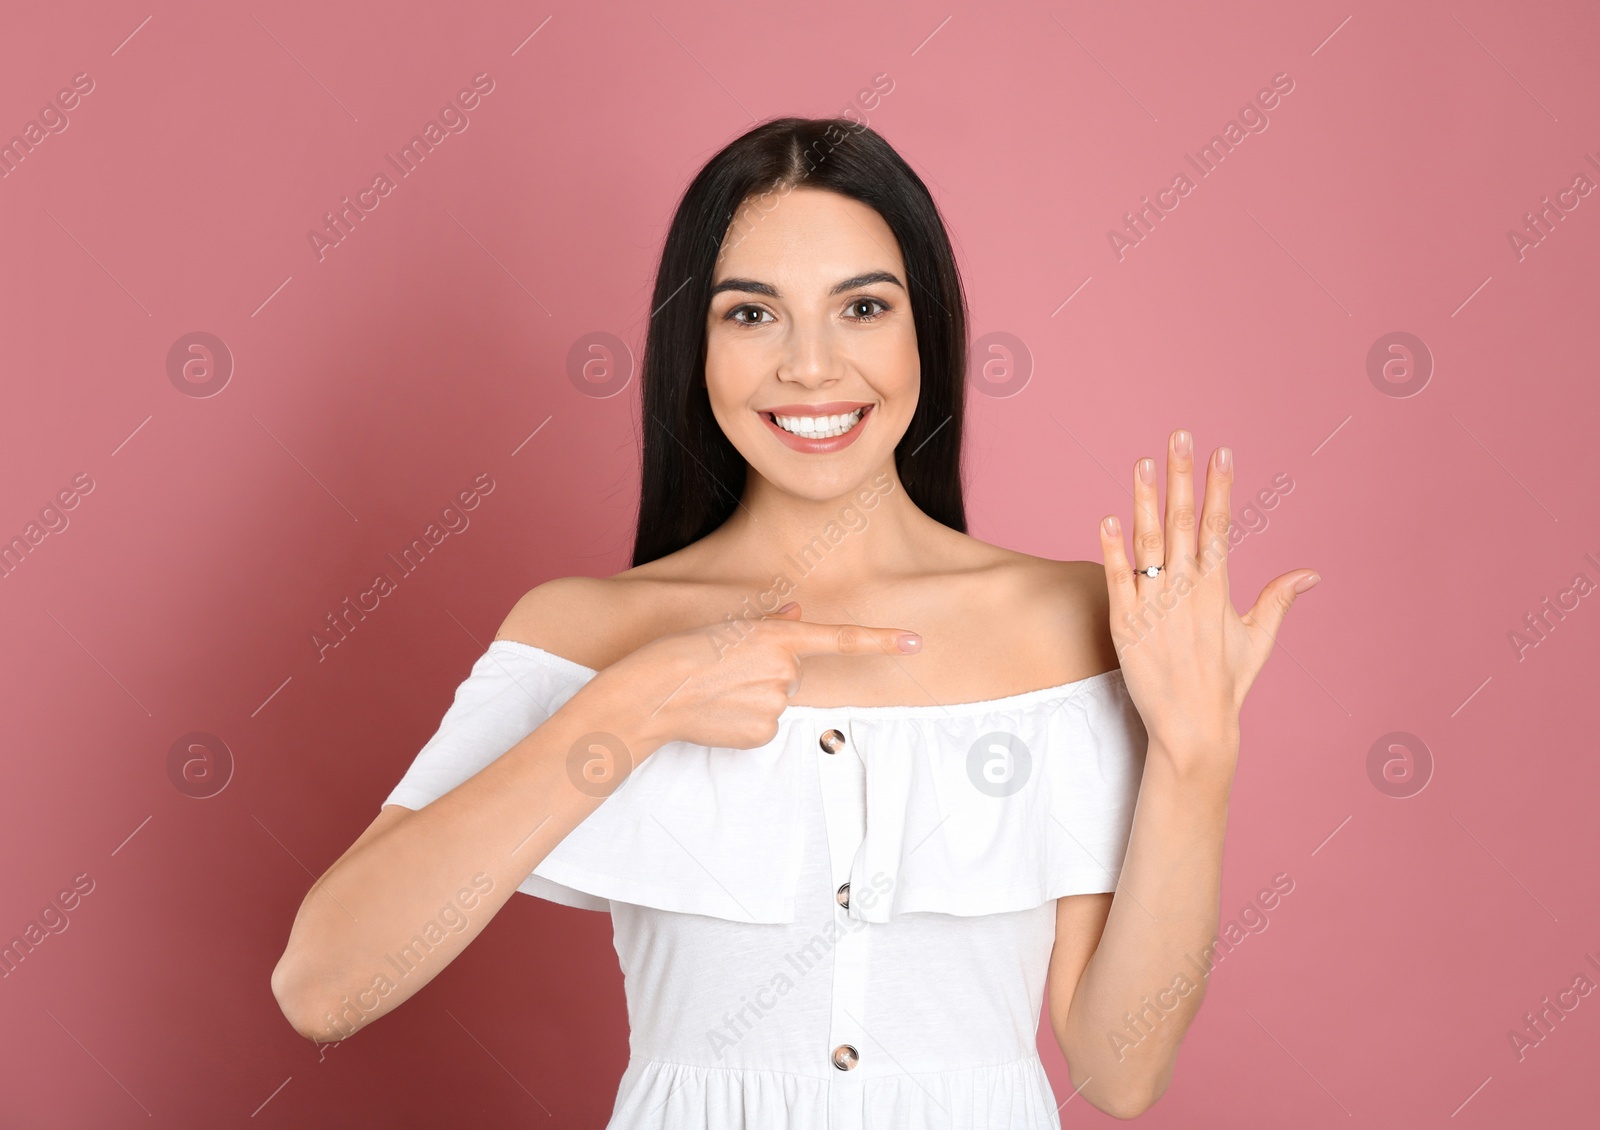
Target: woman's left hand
(1187, 657)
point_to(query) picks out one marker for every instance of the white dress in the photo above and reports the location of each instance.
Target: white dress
(849, 926)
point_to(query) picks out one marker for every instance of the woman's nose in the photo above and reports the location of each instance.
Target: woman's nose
(810, 355)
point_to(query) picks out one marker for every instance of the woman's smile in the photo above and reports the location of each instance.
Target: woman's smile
(818, 429)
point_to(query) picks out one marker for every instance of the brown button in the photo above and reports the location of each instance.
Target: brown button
(832, 741)
(842, 896)
(845, 1057)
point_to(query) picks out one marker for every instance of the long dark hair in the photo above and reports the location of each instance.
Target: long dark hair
(692, 476)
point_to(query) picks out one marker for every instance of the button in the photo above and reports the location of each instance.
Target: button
(832, 741)
(842, 896)
(845, 1057)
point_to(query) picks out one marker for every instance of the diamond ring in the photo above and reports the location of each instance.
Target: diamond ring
(1150, 570)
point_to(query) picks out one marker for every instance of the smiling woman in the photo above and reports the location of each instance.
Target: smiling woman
(907, 836)
(849, 277)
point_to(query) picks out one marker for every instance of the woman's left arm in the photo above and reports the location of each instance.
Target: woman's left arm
(1188, 660)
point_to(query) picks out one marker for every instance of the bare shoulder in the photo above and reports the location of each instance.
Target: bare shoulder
(1064, 604)
(573, 617)
(1077, 595)
(595, 620)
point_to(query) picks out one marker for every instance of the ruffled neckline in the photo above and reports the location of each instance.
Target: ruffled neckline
(718, 832)
(1061, 691)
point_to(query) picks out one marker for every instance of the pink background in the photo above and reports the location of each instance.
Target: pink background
(372, 386)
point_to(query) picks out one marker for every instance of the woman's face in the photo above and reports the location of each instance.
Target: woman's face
(810, 321)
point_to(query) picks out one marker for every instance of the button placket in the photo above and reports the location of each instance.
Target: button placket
(843, 778)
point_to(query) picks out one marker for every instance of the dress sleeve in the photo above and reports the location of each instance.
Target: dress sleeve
(691, 829)
(503, 700)
(511, 689)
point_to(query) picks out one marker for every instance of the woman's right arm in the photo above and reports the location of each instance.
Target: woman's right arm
(360, 944)
(460, 857)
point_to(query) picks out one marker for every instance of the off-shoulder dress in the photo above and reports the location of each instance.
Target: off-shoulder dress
(849, 926)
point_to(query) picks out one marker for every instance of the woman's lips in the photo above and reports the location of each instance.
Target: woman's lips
(819, 446)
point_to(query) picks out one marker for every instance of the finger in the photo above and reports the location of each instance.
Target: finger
(1215, 520)
(1180, 502)
(1149, 546)
(803, 638)
(1273, 604)
(1119, 574)
(790, 611)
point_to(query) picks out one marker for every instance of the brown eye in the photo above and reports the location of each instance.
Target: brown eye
(869, 315)
(733, 315)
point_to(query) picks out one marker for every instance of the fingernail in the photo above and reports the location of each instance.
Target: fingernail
(1224, 458)
(1147, 471)
(1306, 582)
(1183, 442)
(791, 604)
(1112, 526)
(909, 641)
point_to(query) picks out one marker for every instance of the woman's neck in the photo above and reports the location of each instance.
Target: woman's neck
(866, 535)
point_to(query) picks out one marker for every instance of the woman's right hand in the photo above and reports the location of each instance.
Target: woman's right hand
(703, 687)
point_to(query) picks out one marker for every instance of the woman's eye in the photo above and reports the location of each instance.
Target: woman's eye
(870, 315)
(735, 313)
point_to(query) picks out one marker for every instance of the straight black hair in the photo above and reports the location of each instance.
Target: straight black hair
(692, 476)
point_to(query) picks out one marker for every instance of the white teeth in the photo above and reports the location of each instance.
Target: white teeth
(820, 427)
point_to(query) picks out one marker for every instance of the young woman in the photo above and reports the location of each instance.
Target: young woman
(853, 785)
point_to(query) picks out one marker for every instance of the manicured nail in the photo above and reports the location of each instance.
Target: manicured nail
(1147, 471)
(786, 607)
(909, 641)
(1306, 582)
(1183, 442)
(1224, 459)
(1112, 526)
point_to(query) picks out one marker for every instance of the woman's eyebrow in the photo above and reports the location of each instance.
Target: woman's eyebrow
(751, 286)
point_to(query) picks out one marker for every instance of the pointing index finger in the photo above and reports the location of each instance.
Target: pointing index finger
(805, 638)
